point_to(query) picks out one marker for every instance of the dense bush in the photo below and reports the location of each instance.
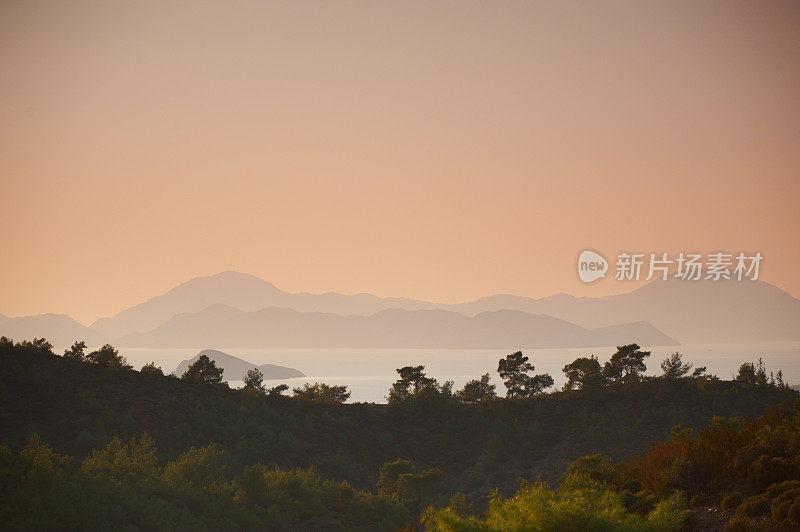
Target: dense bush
(473, 443)
(580, 503)
(121, 487)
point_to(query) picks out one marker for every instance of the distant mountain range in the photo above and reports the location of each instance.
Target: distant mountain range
(280, 327)
(237, 309)
(236, 368)
(244, 292)
(59, 329)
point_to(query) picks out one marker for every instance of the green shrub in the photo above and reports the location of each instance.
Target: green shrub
(203, 467)
(581, 503)
(119, 461)
(643, 502)
(595, 466)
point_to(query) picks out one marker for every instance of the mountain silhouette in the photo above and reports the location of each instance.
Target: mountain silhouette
(244, 292)
(727, 311)
(281, 327)
(236, 368)
(58, 329)
(721, 311)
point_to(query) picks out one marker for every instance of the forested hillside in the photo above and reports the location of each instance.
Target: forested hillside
(451, 445)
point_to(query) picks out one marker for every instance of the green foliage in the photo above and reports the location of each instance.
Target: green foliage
(400, 480)
(580, 503)
(119, 487)
(733, 456)
(319, 392)
(202, 467)
(203, 370)
(135, 460)
(477, 391)
(80, 407)
(299, 499)
(596, 467)
(513, 369)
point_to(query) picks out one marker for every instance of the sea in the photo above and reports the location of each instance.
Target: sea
(369, 373)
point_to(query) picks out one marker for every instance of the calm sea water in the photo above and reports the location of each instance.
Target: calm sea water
(369, 373)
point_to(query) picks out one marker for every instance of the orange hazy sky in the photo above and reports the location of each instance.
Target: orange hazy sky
(436, 150)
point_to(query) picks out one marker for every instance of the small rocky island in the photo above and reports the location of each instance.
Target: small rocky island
(236, 368)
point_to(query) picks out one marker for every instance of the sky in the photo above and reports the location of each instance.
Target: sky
(436, 150)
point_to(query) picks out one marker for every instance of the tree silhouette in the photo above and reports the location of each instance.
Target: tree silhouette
(276, 391)
(108, 357)
(584, 373)
(514, 369)
(322, 393)
(152, 370)
(627, 364)
(254, 380)
(674, 368)
(412, 384)
(747, 373)
(414, 377)
(477, 390)
(76, 352)
(204, 370)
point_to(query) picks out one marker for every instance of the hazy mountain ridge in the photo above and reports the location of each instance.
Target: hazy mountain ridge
(686, 310)
(235, 368)
(58, 329)
(282, 327)
(726, 311)
(244, 292)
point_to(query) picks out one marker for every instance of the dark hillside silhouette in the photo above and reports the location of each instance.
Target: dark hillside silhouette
(79, 406)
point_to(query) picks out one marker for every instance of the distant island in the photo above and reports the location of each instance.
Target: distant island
(236, 368)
